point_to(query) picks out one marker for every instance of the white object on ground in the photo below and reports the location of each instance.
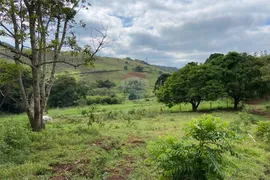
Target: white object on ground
(47, 119)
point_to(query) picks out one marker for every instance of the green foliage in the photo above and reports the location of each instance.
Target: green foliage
(103, 100)
(125, 68)
(242, 123)
(139, 69)
(15, 140)
(160, 81)
(214, 57)
(200, 158)
(263, 131)
(66, 92)
(89, 113)
(240, 74)
(132, 96)
(10, 100)
(8, 72)
(191, 84)
(105, 84)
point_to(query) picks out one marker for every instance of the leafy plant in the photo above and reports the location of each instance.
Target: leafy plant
(263, 131)
(89, 113)
(199, 155)
(242, 124)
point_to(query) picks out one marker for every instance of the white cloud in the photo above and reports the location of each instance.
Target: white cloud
(174, 32)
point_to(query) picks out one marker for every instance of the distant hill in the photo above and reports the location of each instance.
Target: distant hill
(168, 69)
(114, 69)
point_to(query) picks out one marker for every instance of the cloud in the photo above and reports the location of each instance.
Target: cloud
(175, 32)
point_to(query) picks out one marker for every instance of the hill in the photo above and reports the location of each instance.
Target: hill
(116, 69)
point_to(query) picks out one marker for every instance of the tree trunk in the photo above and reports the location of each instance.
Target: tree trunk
(36, 122)
(195, 105)
(236, 102)
(194, 108)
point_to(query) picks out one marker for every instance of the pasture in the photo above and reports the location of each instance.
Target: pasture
(115, 146)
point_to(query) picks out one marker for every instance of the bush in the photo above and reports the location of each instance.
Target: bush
(200, 155)
(14, 142)
(103, 100)
(242, 123)
(66, 92)
(263, 131)
(132, 96)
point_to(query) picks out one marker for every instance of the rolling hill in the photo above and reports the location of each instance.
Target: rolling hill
(114, 69)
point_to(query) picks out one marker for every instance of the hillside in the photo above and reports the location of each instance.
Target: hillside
(114, 70)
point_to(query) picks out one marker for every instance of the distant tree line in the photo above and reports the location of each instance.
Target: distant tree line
(239, 76)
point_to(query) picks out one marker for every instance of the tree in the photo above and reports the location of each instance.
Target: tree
(241, 76)
(265, 70)
(160, 81)
(105, 84)
(191, 84)
(139, 69)
(66, 91)
(38, 31)
(125, 68)
(214, 56)
(10, 100)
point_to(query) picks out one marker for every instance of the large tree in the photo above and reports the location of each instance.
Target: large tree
(36, 32)
(191, 84)
(160, 81)
(241, 75)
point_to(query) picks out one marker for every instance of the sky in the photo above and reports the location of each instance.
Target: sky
(175, 32)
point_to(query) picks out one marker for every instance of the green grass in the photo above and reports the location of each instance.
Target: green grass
(116, 147)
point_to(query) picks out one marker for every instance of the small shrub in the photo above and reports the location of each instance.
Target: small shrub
(89, 113)
(200, 155)
(263, 131)
(242, 123)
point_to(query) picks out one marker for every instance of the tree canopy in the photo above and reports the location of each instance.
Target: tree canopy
(191, 84)
(236, 75)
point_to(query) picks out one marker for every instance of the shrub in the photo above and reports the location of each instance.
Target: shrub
(132, 96)
(197, 156)
(242, 123)
(263, 131)
(103, 100)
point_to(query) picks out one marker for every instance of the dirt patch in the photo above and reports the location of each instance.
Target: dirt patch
(107, 143)
(134, 141)
(123, 169)
(58, 178)
(253, 102)
(60, 168)
(257, 111)
(260, 112)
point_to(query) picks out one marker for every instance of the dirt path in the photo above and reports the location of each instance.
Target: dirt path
(258, 111)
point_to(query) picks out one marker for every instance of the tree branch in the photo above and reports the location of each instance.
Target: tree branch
(12, 49)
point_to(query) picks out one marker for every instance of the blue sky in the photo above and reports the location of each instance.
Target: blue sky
(175, 32)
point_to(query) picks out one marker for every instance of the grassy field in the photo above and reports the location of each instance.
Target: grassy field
(115, 147)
